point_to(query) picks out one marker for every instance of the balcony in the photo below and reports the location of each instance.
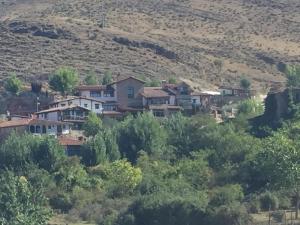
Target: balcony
(73, 118)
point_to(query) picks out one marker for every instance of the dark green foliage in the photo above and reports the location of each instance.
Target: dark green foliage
(91, 79)
(268, 201)
(233, 214)
(293, 76)
(227, 195)
(20, 203)
(165, 208)
(18, 151)
(141, 133)
(92, 125)
(64, 80)
(245, 83)
(100, 148)
(48, 153)
(107, 77)
(13, 84)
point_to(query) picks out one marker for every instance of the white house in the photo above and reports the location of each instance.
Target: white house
(34, 126)
(91, 104)
(100, 92)
(71, 113)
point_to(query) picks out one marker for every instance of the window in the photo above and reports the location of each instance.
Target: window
(70, 103)
(108, 93)
(97, 106)
(49, 127)
(130, 92)
(64, 126)
(63, 105)
(95, 94)
(37, 129)
(32, 129)
(85, 105)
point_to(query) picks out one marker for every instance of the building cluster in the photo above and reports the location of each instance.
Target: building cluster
(115, 100)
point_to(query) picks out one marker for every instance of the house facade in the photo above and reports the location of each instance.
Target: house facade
(94, 105)
(34, 126)
(74, 114)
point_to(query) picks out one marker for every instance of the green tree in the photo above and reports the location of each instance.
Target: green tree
(167, 208)
(20, 203)
(16, 151)
(293, 76)
(141, 133)
(91, 79)
(70, 173)
(172, 80)
(94, 152)
(245, 83)
(107, 78)
(19, 150)
(48, 153)
(92, 125)
(13, 84)
(64, 80)
(250, 107)
(179, 126)
(121, 177)
(279, 161)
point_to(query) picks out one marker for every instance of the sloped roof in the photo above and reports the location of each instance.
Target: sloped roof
(154, 92)
(28, 121)
(62, 109)
(91, 87)
(131, 77)
(76, 97)
(70, 141)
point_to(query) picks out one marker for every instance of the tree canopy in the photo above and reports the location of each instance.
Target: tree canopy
(64, 80)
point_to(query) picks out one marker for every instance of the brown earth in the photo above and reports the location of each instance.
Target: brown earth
(210, 42)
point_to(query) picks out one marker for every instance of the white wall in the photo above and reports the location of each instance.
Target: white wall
(172, 99)
(102, 98)
(86, 103)
(226, 92)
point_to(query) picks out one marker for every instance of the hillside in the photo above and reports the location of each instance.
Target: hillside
(207, 41)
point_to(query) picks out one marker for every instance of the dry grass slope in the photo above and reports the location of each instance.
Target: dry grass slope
(210, 41)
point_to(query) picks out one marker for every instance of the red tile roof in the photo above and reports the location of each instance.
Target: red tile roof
(29, 121)
(70, 141)
(154, 92)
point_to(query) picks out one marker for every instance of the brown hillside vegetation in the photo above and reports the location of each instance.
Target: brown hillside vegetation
(206, 41)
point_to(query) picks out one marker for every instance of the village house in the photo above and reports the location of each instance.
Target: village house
(33, 126)
(72, 113)
(72, 145)
(104, 93)
(159, 102)
(204, 100)
(121, 95)
(94, 105)
(236, 91)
